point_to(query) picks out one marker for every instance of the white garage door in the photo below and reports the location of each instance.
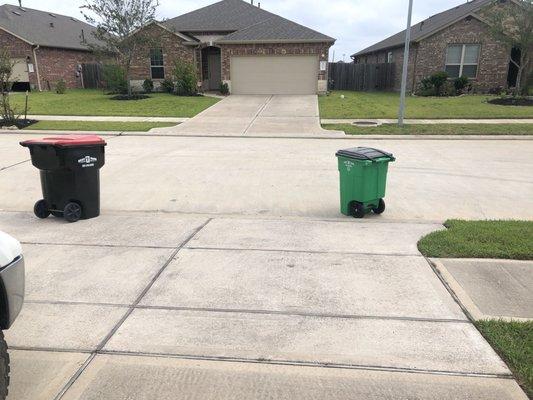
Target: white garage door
(20, 71)
(274, 75)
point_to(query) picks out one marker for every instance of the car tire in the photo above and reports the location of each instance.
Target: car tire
(4, 367)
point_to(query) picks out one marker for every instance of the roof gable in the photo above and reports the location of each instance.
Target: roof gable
(246, 22)
(45, 28)
(429, 26)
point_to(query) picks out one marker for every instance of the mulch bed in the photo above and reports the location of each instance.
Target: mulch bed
(512, 101)
(125, 97)
(20, 124)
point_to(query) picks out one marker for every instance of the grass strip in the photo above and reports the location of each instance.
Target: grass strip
(513, 341)
(98, 126)
(436, 129)
(480, 239)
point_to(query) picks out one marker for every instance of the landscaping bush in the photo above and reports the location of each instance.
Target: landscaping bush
(462, 85)
(186, 78)
(148, 86)
(434, 85)
(168, 85)
(224, 89)
(61, 87)
(115, 79)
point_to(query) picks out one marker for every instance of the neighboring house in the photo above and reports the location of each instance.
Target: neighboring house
(457, 41)
(238, 43)
(44, 46)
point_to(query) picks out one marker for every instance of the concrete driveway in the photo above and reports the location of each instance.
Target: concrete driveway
(221, 269)
(269, 116)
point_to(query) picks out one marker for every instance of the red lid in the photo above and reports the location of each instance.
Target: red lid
(66, 141)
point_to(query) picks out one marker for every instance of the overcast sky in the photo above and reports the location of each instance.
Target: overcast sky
(355, 24)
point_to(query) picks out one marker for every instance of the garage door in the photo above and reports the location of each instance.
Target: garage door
(20, 71)
(274, 75)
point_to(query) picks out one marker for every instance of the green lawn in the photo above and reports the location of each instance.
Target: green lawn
(95, 103)
(514, 342)
(440, 129)
(480, 239)
(385, 105)
(98, 126)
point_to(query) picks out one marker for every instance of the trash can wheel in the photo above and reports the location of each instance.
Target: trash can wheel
(41, 210)
(72, 212)
(380, 209)
(357, 210)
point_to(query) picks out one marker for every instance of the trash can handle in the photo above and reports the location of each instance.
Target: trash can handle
(379, 151)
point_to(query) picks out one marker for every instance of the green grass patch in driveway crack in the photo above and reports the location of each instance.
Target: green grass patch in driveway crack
(435, 129)
(379, 105)
(98, 126)
(480, 239)
(89, 102)
(513, 341)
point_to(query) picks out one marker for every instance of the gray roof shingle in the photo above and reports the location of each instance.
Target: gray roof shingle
(427, 27)
(45, 28)
(248, 23)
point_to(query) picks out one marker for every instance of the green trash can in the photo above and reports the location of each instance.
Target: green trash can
(363, 179)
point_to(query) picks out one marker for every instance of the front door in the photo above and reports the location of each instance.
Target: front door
(214, 69)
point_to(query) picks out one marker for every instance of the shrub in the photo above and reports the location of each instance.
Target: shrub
(462, 85)
(168, 85)
(186, 78)
(148, 86)
(61, 87)
(224, 89)
(115, 79)
(434, 84)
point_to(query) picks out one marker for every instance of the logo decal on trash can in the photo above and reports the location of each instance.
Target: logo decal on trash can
(87, 161)
(349, 165)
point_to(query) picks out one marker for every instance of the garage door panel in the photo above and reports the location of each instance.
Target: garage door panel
(274, 75)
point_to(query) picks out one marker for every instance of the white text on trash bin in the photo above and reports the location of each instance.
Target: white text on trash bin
(349, 165)
(87, 161)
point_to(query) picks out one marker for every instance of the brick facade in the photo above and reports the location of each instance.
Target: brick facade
(429, 56)
(229, 50)
(173, 49)
(53, 64)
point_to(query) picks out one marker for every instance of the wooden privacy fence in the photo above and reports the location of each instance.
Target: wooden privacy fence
(361, 77)
(92, 76)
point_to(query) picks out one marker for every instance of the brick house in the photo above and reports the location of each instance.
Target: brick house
(45, 47)
(238, 43)
(457, 41)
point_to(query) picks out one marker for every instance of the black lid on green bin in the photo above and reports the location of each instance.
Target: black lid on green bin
(364, 153)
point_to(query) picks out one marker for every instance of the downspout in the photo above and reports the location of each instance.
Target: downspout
(37, 67)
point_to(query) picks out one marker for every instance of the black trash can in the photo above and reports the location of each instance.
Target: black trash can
(70, 175)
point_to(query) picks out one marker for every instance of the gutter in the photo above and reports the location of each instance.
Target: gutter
(37, 67)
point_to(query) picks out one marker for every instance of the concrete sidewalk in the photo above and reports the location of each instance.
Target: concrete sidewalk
(429, 121)
(105, 118)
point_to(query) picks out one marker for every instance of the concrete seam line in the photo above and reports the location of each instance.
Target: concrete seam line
(302, 314)
(97, 245)
(74, 377)
(302, 251)
(460, 293)
(309, 364)
(77, 303)
(261, 109)
(449, 289)
(149, 286)
(128, 312)
(50, 349)
(14, 165)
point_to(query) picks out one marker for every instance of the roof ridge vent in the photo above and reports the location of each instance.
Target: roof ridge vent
(52, 15)
(16, 13)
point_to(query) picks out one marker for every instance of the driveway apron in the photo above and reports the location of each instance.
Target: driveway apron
(264, 116)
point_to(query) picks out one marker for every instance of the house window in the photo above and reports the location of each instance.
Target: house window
(462, 60)
(390, 57)
(156, 64)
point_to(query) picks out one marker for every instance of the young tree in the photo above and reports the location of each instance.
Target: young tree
(118, 28)
(7, 113)
(512, 24)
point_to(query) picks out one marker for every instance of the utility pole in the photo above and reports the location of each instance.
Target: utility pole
(401, 114)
